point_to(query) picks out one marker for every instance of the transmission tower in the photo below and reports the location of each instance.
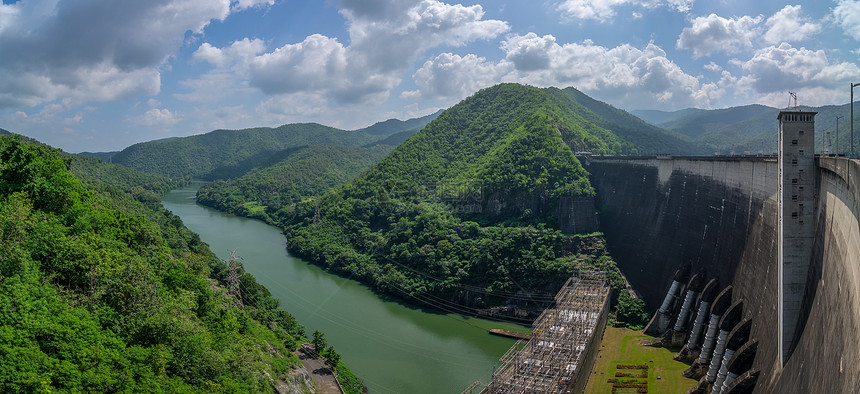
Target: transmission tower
(234, 269)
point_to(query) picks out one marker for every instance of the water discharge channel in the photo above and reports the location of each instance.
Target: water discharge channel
(391, 347)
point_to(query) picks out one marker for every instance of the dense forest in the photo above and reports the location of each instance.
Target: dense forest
(268, 193)
(223, 154)
(102, 290)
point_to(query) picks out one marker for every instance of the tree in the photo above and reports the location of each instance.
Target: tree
(319, 342)
(332, 358)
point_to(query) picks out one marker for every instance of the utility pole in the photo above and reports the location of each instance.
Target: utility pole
(852, 117)
(837, 135)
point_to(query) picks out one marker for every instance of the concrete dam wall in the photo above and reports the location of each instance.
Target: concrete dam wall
(720, 216)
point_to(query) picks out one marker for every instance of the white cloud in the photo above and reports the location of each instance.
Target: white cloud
(245, 4)
(74, 120)
(313, 64)
(157, 117)
(385, 39)
(92, 50)
(624, 75)
(713, 33)
(847, 14)
(779, 69)
(787, 25)
(604, 10)
(239, 53)
(529, 52)
(450, 76)
(713, 67)
(228, 78)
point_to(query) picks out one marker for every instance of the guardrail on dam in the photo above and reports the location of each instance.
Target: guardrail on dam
(719, 216)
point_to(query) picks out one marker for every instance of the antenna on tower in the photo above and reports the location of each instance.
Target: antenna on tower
(792, 96)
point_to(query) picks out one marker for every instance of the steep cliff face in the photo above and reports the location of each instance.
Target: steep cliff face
(720, 214)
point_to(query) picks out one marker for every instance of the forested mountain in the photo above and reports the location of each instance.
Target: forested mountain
(105, 292)
(463, 214)
(751, 128)
(222, 154)
(267, 193)
(647, 139)
(658, 117)
(392, 126)
(104, 156)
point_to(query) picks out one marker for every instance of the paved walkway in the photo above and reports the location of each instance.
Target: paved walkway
(321, 374)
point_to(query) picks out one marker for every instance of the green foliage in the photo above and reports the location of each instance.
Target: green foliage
(332, 358)
(640, 137)
(630, 312)
(319, 342)
(394, 126)
(268, 193)
(348, 380)
(97, 298)
(223, 154)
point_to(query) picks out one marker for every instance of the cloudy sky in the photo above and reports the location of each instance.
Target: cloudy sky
(97, 75)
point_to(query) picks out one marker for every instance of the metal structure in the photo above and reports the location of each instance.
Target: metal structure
(837, 134)
(853, 85)
(563, 342)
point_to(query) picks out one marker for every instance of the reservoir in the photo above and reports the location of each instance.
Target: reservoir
(391, 347)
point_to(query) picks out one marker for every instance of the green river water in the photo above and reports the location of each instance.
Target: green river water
(391, 347)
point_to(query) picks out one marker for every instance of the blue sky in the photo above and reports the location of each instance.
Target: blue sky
(97, 75)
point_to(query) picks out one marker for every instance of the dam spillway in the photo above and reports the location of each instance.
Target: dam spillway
(720, 215)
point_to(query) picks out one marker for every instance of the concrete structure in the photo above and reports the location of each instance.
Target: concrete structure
(722, 214)
(796, 198)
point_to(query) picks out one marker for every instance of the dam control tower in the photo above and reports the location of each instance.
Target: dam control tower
(796, 199)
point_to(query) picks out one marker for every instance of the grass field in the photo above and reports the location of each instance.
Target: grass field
(620, 347)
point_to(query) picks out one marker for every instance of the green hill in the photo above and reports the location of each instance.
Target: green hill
(222, 154)
(104, 156)
(463, 215)
(392, 126)
(646, 138)
(267, 193)
(105, 292)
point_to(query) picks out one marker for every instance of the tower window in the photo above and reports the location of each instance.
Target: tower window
(794, 161)
(794, 197)
(800, 132)
(793, 180)
(800, 152)
(794, 215)
(794, 142)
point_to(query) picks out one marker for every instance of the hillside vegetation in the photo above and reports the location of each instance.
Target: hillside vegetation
(222, 154)
(392, 126)
(646, 138)
(268, 193)
(462, 216)
(102, 292)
